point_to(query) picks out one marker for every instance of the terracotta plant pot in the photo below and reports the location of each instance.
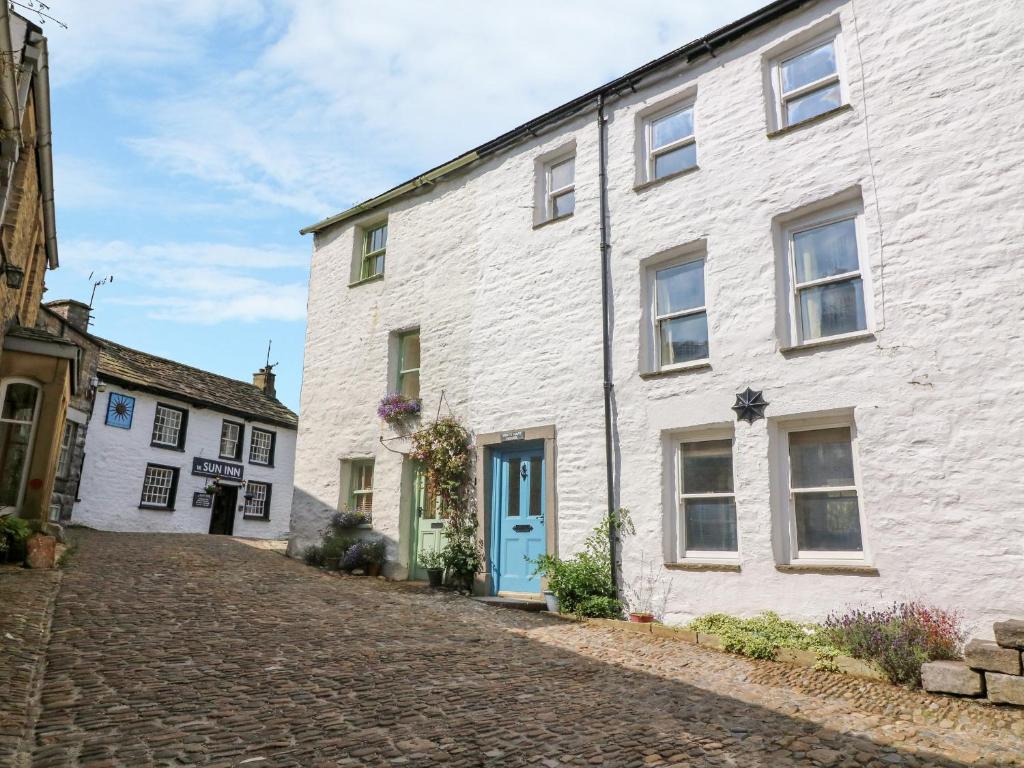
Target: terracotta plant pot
(641, 618)
(372, 569)
(434, 576)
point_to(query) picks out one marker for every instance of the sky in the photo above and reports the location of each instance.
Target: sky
(194, 138)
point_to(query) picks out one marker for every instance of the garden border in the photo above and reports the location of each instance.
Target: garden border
(844, 664)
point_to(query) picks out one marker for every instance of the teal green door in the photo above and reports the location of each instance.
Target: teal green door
(428, 529)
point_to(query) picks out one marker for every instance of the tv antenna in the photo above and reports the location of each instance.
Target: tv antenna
(270, 366)
(97, 284)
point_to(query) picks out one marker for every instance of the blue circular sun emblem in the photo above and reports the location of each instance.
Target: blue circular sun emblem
(119, 410)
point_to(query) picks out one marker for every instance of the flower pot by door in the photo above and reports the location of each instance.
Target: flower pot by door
(434, 576)
(551, 601)
(373, 569)
(641, 618)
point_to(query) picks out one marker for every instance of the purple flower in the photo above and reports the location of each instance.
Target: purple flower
(396, 407)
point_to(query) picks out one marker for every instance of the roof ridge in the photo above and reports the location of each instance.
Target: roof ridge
(186, 365)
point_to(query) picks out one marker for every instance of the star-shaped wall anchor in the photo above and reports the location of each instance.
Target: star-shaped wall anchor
(750, 405)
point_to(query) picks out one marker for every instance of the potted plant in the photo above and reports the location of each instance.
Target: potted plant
(374, 551)
(550, 567)
(347, 519)
(433, 563)
(14, 533)
(647, 593)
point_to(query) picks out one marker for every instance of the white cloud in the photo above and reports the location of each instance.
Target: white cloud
(335, 102)
(196, 283)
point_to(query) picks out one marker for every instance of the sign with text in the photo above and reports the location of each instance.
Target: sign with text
(518, 434)
(200, 499)
(214, 468)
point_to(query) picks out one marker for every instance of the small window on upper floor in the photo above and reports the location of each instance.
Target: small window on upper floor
(808, 81)
(560, 188)
(409, 364)
(374, 248)
(670, 143)
(261, 446)
(169, 427)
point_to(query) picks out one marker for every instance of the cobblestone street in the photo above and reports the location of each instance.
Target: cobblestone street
(181, 649)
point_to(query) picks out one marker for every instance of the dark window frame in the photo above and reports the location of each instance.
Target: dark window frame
(172, 493)
(273, 447)
(182, 431)
(266, 502)
(240, 445)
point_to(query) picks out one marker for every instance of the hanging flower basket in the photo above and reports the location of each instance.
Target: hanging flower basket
(396, 408)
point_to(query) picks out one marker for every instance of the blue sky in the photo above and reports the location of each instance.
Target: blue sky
(194, 138)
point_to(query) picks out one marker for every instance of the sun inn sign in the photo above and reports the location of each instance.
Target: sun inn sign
(213, 468)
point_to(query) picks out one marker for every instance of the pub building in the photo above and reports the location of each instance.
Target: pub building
(172, 448)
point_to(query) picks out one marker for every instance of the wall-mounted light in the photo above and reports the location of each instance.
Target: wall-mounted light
(14, 275)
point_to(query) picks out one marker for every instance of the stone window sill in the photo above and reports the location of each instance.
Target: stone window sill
(365, 280)
(829, 341)
(644, 185)
(156, 509)
(810, 121)
(705, 565)
(544, 223)
(829, 569)
(697, 365)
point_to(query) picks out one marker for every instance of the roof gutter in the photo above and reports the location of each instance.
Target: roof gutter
(44, 148)
(704, 46)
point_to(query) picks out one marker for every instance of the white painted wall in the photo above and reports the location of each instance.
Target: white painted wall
(510, 315)
(116, 459)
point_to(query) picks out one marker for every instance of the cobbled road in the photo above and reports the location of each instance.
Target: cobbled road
(200, 650)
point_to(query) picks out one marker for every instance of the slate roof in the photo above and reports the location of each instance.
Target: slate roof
(157, 375)
(38, 334)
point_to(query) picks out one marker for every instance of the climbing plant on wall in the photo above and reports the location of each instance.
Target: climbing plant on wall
(444, 447)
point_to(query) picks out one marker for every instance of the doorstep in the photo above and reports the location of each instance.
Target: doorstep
(517, 603)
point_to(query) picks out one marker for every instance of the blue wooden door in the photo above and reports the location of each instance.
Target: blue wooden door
(517, 503)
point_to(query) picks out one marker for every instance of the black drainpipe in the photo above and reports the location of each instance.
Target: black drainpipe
(606, 335)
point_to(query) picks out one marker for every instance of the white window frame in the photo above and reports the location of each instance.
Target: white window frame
(690, 255)
(692, 555)
(651, 153)
(851, 209)
(67, 448)
(180, 412)
(550, 193)
(253, 431)
(251, 509)
(30, 448)
(171, 474)
(236, 454)
(822, 557)
(782, 98)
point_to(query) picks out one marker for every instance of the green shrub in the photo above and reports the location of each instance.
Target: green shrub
(762, 636)
(14, 532)
(583, 583)
(313, 555)
(431, 561)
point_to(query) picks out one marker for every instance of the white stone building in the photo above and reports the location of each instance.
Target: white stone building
(821, 202)
(171, 448)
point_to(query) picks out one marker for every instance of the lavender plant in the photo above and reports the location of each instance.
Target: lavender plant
(898, 639)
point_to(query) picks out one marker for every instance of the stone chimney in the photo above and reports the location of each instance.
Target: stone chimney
(75, 313)
(264, 379)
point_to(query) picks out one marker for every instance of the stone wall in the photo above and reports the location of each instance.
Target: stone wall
(989, 669)
(510, 316)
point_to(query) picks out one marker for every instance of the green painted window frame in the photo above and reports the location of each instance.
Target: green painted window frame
(372, 257)
(358, 493)
(404, 372)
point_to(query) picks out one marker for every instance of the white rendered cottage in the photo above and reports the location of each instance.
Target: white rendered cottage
(817, 207)
(172, 448)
